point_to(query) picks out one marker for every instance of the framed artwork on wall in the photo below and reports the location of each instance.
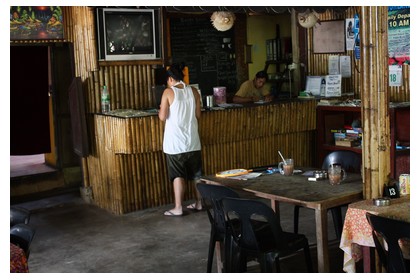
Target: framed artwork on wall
(329, 37)
(36, 23)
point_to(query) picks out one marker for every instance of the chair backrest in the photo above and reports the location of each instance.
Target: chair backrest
(249, 211)
(19, 215)
(348, 160)
(211, 199)
(22, 236)
(391, 230)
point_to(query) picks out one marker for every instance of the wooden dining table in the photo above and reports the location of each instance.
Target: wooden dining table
(298, 190)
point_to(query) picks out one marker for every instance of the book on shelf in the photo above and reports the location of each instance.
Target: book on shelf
(339, 135)
(354, 130)
(338, 130)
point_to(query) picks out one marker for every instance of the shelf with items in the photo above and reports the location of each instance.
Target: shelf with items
(336, 119)
(279, 56)
(329, 120)
(400, 139)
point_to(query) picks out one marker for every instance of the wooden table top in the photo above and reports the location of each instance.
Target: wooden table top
(297, 189)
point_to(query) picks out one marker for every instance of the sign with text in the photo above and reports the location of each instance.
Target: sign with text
(395, 74)
(332, 85)
(399, 35)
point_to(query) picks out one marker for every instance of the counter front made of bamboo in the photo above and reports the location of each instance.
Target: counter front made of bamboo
(127, 167)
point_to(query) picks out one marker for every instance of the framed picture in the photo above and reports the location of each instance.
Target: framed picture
(36, 23)
(329, 37)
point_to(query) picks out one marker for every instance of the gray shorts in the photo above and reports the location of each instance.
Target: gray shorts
(185, 165)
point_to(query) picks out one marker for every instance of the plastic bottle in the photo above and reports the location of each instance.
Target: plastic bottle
(105, 100)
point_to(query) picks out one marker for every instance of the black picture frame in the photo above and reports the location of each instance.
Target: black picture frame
(128, 34)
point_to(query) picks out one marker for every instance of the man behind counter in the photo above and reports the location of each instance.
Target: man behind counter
(253, 90)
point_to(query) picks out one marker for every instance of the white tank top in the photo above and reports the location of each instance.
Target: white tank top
(181, 126)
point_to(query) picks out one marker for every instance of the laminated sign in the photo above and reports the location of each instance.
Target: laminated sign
(332, 85)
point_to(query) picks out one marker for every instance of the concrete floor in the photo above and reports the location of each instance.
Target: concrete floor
(28, 165)
(73, 236)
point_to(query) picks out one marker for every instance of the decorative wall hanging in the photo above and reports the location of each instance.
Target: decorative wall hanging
(36, 23)
(223, 21)
(308, 19)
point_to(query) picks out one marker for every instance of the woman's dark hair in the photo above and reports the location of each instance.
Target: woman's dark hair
(175, 71)
(261, 74)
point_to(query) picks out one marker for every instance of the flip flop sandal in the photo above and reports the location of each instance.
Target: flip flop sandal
(169, 213)
(193, 207)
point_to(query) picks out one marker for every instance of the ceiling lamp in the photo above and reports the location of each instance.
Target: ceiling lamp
(308, 19)
(223, 21)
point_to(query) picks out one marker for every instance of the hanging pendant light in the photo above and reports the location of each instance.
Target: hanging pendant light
(222, 21)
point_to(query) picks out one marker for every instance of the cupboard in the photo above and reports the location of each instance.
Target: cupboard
(338, 118)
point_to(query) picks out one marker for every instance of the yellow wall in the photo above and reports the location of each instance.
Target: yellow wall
(260, 29)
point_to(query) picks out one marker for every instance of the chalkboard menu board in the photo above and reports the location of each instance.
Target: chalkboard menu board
(208, 53)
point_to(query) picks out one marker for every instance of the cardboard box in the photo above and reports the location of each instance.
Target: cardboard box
(347, 142)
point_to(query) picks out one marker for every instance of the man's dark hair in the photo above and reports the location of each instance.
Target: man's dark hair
(175, 71)
(261, 74)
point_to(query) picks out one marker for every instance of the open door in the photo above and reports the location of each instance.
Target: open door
(29, 104)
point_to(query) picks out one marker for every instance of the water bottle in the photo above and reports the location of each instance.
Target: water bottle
(105, 100)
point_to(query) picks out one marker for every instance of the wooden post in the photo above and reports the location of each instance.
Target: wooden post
(295, 53)
(375, 99)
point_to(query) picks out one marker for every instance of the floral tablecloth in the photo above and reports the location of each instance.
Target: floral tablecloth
(357, 231)
(18, 261)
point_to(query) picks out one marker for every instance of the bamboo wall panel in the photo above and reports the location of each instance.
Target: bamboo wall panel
(127, 167)
(318, 63)
(130, 86)
(80, 30)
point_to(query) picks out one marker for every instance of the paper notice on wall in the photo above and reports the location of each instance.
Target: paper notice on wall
(332, 85)
(345, 66)
(333, 65)
(349, 34)
(395, 75)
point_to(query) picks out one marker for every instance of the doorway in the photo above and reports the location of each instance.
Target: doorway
(31, 129)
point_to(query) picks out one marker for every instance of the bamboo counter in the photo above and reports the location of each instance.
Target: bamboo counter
(127, 167)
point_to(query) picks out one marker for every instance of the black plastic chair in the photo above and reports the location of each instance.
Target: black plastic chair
(267, 246)
(391, 230)
(22, 235)
(351, 162)
(211, 196)
(19, 215)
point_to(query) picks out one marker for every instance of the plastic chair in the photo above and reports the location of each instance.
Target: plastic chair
(351, 162)
(22, 235)
(391, 230)
(266, 246)
(19, 215)
(211, 196)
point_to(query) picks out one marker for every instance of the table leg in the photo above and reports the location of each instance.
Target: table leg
(275, 205)
(368, 259)
(322, 240)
